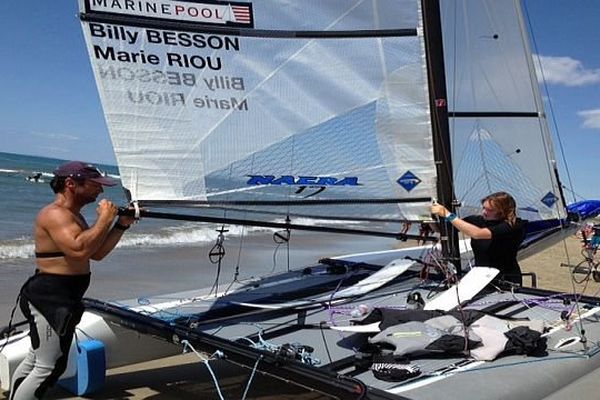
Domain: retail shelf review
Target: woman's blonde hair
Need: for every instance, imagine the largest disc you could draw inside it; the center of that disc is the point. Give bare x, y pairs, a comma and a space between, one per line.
504, 204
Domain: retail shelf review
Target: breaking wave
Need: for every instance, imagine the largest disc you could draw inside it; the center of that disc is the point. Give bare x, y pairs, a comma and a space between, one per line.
23, 248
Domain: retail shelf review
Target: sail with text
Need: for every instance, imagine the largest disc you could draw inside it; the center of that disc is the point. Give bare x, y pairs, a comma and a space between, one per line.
317, 110
320, 109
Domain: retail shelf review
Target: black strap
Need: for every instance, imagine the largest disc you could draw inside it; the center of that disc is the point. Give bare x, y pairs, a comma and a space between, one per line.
49, 254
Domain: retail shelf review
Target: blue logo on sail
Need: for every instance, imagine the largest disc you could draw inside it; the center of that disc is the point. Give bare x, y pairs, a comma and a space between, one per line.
549, 199
408, 181
302, 180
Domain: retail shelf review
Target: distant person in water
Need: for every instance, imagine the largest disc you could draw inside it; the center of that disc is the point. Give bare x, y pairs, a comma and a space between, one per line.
35, 177
64, 246
495, 235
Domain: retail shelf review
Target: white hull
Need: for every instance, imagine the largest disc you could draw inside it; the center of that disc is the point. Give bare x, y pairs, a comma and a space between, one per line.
122, 347
125, 346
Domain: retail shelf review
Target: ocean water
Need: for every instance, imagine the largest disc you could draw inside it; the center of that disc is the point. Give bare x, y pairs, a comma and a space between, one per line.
148, 256
21, 199
155, 256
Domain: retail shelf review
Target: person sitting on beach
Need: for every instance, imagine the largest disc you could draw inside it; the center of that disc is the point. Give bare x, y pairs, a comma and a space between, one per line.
64, 246
495, 235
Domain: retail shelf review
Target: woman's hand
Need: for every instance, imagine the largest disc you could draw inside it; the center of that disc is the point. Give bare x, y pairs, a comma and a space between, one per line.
439, 210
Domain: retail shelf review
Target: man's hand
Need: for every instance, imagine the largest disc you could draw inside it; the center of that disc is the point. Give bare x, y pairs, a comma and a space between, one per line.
127, 220
106, 210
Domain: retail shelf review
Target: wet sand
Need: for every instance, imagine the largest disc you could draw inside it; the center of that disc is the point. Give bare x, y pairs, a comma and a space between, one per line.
183, 376
141, 272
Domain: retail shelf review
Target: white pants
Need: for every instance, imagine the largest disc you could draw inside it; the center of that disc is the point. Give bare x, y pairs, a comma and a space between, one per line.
45, 361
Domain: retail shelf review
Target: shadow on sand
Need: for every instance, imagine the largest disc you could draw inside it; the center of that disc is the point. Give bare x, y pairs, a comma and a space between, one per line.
185, 377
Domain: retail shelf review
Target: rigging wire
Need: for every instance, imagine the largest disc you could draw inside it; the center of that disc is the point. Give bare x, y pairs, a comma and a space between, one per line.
251, 377
575, 293
236, 272
549, 101
574, 193
215, 356
282, 237
217, 252
325, 341
545, 132
6, 332
216, 255
463, 321
295, 350
275, 256
285, 237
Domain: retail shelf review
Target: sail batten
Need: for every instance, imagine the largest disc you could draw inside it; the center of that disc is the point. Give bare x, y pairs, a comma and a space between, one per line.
493, 114
282, 34
307, 203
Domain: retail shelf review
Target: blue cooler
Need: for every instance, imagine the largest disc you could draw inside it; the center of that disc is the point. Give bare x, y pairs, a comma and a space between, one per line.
91, 369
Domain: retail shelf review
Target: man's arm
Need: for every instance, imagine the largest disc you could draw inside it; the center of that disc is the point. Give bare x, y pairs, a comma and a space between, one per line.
111, 240
70, 237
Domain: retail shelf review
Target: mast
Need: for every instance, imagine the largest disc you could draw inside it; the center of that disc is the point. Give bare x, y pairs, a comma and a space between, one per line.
442, 150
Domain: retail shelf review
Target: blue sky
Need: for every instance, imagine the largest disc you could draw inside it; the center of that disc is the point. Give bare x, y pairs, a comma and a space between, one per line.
50, 107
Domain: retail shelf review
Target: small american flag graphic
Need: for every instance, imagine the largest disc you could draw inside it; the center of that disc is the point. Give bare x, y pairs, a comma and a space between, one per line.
241, 14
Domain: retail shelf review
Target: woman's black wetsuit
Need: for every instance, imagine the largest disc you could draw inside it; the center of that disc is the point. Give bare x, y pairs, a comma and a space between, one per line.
501, 250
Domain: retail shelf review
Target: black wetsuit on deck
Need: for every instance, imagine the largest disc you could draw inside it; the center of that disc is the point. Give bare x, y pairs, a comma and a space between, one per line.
501, 250
52, 305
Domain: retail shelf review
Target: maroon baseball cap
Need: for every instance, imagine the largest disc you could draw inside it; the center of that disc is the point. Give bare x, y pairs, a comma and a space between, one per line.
83, 170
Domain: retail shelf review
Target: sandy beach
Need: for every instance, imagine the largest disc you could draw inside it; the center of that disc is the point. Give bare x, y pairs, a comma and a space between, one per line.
550, 267
145, 272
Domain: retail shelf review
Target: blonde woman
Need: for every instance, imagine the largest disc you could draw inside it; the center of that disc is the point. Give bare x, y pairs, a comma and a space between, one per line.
495, 235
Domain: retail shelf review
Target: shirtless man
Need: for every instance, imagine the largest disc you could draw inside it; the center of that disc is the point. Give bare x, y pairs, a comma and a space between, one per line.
64, 245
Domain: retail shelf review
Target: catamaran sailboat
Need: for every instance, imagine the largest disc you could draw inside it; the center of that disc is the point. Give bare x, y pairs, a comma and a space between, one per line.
346, 117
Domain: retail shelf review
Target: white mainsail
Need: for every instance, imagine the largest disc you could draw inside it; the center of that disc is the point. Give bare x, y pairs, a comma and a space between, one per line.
328, 100
268, 105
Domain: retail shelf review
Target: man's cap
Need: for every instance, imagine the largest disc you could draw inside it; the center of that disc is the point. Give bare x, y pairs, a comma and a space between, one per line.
83, 170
